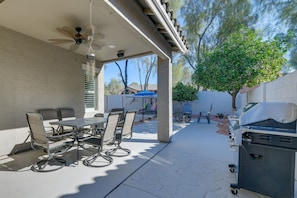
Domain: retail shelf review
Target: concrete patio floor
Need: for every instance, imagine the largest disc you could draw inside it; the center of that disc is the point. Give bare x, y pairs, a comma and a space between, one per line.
194, 164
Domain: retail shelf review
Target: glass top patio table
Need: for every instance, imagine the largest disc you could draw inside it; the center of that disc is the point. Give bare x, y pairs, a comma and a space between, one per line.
77, 124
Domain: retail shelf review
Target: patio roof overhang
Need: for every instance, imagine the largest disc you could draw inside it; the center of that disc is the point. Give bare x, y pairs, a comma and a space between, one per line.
138, 27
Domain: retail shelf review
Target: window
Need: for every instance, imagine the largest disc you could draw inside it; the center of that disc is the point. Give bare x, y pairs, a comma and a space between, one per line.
90, 93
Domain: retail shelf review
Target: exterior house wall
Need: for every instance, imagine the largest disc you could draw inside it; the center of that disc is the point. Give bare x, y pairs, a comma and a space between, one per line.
283, 89
34, 75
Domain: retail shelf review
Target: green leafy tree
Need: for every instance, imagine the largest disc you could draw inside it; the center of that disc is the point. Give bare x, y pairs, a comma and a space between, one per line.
181, 72
283, 13
175, 5
208, 23
114, 87
243, 59
183, 93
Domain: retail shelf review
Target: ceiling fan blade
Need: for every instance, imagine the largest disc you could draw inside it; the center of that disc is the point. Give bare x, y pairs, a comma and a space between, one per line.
98, 36
97, 45
60, 41
67, 32
84, 35
74, 47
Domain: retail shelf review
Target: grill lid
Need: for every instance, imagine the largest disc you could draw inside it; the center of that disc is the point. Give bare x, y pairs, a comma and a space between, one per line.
262, 112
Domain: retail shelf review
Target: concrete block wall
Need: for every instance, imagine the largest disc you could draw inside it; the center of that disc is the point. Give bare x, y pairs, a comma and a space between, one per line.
283, 89
34, 74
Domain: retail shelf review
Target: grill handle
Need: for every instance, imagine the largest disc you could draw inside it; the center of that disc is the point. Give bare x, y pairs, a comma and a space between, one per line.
265, 137
286, 140
256, 156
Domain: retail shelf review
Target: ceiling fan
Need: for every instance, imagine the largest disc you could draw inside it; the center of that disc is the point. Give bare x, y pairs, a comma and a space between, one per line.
78, 37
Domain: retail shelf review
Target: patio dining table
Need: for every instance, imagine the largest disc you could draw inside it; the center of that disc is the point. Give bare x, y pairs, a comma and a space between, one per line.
78, 124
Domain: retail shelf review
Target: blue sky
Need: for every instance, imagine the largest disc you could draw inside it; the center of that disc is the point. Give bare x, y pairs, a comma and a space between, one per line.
111, 71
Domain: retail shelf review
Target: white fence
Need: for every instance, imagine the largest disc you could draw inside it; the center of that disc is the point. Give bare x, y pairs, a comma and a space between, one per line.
280, 90
222, 102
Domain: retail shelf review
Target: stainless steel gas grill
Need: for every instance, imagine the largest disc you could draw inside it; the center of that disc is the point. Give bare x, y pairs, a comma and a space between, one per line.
266, 161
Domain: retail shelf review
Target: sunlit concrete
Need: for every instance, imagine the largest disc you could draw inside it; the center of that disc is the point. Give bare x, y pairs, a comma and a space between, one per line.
194, 164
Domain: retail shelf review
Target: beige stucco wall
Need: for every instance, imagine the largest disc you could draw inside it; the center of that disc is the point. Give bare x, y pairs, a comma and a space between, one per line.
35, 75
283, 89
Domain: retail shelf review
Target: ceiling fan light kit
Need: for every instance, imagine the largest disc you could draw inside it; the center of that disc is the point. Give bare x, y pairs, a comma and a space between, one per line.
91, 56
79, 36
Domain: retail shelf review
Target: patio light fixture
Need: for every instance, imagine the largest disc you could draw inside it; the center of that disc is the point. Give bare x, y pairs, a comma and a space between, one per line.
90, 65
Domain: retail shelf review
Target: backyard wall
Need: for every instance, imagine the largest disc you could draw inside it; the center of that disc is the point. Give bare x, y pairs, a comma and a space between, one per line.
283, 89
222, 102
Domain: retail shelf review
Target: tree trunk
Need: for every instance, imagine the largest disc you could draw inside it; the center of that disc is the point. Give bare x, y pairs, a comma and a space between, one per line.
234, 94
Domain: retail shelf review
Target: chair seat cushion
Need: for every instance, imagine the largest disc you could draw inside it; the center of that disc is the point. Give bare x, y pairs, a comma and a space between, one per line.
58, 144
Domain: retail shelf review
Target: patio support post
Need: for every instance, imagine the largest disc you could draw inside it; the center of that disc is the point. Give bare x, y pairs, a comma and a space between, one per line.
100, 87
164, 99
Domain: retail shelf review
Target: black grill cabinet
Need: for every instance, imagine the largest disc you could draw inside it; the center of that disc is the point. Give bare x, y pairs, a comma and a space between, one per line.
266, 156
268, 170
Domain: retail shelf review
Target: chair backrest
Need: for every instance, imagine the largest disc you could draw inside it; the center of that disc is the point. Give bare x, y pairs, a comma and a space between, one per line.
178, 108
210, 109
66, 113
48, 115
122, 110
37, 131
128, 124
187, 107
99, 115
111, 125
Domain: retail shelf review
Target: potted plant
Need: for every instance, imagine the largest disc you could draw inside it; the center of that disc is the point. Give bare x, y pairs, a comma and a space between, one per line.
220, 115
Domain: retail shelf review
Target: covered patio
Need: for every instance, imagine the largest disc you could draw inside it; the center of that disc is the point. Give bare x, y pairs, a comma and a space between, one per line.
38, 74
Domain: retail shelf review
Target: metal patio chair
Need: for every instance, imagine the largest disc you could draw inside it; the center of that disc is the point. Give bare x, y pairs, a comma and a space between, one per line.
50, 115
54, 145
205, 114
182, 112
122, 116
106, 137
124, 132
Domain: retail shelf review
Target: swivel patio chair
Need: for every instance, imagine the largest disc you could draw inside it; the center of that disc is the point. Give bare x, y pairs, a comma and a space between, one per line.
122, 117
106, 137
50, 115
54, 145
66, 113
98, 128
124, 132
205, 114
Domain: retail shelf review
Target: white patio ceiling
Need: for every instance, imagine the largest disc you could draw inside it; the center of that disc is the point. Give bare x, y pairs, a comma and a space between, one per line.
40, 18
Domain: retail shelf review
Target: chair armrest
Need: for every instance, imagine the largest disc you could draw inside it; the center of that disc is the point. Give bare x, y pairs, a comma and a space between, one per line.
50, 130
61, 136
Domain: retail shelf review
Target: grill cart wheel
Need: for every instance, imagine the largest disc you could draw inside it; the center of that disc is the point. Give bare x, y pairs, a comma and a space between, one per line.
232, 168
234, 191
